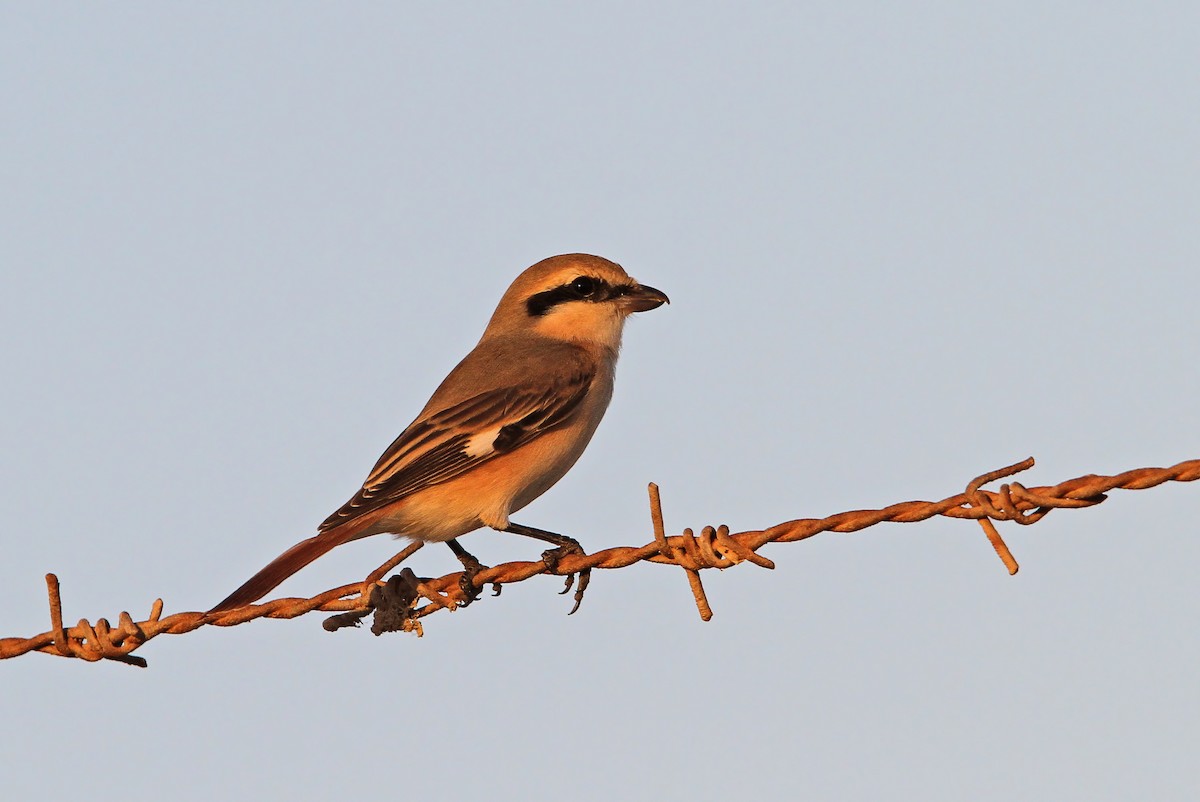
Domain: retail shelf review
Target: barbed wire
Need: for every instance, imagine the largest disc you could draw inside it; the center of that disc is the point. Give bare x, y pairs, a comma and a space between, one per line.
394, 603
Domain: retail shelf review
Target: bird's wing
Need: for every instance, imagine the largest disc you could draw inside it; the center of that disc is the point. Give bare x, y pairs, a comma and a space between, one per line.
446, 443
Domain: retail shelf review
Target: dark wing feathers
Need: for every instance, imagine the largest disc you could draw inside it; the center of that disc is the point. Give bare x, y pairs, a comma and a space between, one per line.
436, 447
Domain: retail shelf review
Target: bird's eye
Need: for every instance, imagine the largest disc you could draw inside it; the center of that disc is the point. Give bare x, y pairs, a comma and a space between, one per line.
584, 286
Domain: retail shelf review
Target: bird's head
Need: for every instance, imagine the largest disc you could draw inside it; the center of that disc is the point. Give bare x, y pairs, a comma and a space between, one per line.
574, 297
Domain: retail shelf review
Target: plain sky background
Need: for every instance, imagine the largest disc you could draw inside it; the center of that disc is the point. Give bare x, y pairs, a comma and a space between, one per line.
905, 244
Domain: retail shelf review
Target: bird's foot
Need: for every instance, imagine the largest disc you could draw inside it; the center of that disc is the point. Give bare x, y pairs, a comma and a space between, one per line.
466, 583
551, 558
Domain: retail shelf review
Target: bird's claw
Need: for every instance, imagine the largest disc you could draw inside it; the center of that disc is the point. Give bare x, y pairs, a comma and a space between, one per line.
466, 582
551, 558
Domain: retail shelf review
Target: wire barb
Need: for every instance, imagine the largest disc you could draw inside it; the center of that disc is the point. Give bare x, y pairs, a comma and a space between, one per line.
1008, 509
713, 549
403, 600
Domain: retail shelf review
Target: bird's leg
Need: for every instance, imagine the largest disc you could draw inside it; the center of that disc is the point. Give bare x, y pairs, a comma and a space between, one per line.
471, 567
566, 545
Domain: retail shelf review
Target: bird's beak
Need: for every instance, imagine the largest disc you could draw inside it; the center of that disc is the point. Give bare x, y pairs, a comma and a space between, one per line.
642, 299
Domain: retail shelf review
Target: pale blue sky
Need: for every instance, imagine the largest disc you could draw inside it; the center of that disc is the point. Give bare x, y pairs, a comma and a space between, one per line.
905, 244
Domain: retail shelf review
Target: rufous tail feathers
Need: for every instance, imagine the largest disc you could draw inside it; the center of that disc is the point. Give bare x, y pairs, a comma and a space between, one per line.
282, 567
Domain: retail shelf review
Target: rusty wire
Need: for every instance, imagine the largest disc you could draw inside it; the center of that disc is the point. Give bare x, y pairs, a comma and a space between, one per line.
394, 602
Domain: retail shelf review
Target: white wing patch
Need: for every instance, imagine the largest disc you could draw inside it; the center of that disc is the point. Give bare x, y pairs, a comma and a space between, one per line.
480, 445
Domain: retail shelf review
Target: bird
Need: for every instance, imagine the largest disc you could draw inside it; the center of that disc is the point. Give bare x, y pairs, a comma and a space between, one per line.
501, 429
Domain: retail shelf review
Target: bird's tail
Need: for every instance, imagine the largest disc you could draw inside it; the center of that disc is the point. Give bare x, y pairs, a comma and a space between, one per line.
281, 568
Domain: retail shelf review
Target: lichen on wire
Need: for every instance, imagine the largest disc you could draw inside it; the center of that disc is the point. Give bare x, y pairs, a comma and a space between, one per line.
400, 602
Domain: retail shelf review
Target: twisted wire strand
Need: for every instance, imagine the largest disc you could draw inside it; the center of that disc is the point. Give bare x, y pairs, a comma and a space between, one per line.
395, 602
